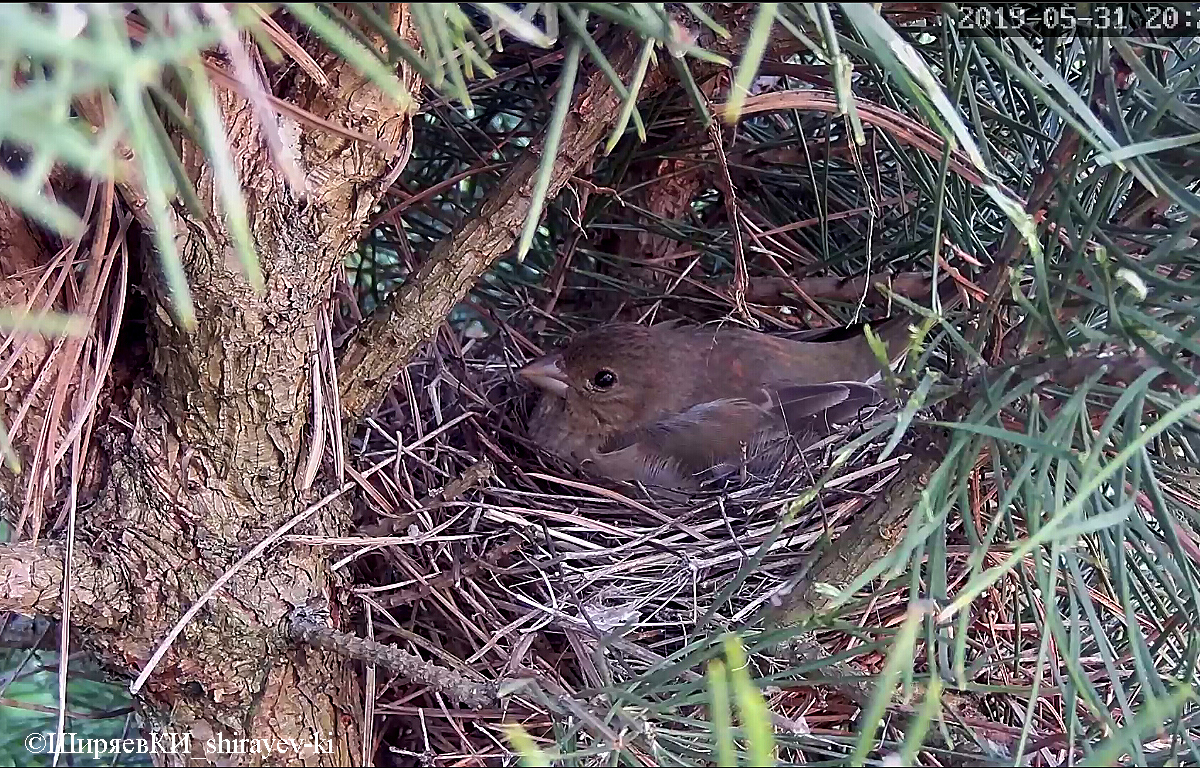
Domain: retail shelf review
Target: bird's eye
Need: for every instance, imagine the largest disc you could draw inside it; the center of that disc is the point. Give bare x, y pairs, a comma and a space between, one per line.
604, 379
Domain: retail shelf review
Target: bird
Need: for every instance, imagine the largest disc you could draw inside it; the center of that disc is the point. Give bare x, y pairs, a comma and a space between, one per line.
673, 405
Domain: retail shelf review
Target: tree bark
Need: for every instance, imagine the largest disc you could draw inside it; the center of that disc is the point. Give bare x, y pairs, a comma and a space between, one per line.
204, 457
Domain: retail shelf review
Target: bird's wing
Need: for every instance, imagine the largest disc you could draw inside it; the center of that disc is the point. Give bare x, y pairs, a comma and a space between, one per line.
810, 413
805, 407
673, 450
685, 443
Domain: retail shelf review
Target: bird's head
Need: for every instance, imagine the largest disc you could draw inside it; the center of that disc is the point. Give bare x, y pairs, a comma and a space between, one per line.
617, 371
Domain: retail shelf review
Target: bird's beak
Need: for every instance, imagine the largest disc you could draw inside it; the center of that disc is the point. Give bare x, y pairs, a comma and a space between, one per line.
547, 373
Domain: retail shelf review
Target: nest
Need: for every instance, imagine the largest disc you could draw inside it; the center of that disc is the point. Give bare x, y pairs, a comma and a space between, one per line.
504, 565
511, 565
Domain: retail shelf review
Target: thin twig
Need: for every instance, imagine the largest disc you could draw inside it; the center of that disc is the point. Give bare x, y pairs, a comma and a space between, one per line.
307, 627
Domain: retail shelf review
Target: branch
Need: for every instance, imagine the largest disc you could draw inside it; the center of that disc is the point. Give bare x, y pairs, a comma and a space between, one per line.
1060, 159
881, 525
777, 290
1117, 369
307, 626
375, 353
871, 535
31, 577
899, 126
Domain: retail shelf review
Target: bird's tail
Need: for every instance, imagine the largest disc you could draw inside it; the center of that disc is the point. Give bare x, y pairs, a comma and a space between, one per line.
897, 332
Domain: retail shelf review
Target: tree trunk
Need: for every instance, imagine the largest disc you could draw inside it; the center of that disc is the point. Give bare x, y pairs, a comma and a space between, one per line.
206, 453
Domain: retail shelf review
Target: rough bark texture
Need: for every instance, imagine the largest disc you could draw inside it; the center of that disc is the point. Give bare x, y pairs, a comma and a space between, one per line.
231, 673
262, 345
31, 578
200, 461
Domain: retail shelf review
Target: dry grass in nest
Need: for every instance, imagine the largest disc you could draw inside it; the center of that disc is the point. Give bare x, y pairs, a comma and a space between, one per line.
593, 588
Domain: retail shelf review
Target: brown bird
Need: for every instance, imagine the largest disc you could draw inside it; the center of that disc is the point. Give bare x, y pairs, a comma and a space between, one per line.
669, 405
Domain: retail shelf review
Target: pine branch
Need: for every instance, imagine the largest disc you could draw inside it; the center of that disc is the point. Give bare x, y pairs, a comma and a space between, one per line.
31, 577
307, 626
373, 356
